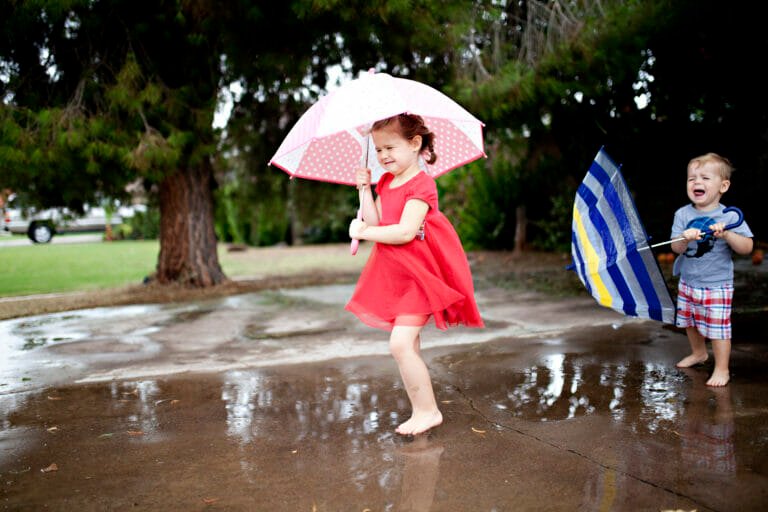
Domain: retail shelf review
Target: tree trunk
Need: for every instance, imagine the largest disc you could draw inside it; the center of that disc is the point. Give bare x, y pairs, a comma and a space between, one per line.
521, 225
187, 239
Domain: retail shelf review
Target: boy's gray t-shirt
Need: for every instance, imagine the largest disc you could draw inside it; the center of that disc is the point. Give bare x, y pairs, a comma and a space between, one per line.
706, 263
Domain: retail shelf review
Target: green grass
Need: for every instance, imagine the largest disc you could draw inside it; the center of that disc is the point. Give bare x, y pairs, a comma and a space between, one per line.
53, 268
50, 268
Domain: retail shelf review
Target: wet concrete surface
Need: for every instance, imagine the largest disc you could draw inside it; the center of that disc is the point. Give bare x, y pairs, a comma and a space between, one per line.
280, 400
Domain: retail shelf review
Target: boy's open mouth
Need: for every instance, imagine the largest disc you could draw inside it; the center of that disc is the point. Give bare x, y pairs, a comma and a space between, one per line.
698, 192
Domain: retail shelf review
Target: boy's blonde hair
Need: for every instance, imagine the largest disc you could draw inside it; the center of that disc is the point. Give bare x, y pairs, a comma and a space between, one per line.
724, 166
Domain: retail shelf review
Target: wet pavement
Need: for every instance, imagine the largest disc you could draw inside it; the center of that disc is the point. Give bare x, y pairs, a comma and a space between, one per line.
281, 401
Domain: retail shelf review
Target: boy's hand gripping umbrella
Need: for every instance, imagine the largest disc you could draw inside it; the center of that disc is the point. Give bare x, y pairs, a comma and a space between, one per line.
706, 232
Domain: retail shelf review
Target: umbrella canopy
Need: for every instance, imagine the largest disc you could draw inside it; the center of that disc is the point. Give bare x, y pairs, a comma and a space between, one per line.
332, 138
610, 247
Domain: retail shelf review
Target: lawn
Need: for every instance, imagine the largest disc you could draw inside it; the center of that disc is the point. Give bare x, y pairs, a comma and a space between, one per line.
52, 268
48, 268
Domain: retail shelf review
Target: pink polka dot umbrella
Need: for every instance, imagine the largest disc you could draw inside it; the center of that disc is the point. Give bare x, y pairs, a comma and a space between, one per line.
330, 140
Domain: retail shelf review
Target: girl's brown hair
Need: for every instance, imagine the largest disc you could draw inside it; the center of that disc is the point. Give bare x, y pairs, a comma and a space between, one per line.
409, 126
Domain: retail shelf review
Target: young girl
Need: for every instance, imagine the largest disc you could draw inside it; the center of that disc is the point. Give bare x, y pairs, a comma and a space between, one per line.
418, 268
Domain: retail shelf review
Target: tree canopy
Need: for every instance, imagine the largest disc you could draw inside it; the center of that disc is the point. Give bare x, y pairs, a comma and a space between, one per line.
655, 82
97, 94
101, 93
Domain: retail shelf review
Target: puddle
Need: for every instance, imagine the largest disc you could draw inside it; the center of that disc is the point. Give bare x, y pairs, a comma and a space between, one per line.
282, 401
322, 433
233, 333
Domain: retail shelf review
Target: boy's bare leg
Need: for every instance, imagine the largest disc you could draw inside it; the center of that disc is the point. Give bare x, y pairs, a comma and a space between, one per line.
722, 351
404, 343
698, 349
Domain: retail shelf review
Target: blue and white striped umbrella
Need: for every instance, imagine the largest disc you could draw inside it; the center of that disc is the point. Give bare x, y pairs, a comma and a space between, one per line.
610, 247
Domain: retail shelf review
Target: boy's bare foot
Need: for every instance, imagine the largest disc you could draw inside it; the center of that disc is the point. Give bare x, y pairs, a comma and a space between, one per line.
719, 378
691, 360
420, 423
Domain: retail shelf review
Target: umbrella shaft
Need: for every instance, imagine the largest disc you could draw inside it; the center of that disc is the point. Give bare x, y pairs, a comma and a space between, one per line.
667, 242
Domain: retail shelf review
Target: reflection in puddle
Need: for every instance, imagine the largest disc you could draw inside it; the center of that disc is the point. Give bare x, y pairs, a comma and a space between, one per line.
293, 437
255, 403
709, 428
138, 401
243, 393
32, 342
420, 474
566, 386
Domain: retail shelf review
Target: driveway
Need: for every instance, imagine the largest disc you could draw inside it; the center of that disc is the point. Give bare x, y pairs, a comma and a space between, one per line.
8, 241
282, 401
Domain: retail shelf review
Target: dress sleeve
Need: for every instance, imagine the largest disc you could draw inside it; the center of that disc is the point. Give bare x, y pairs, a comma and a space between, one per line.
425, 189
381, 184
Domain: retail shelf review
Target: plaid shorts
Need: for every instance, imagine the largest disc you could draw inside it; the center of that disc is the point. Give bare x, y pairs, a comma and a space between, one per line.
707, 309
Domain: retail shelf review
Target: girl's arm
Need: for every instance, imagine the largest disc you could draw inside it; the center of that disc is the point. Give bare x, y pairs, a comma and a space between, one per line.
401, 233
371, 212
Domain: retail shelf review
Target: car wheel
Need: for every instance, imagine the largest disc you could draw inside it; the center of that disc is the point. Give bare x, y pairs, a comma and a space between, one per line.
40, 232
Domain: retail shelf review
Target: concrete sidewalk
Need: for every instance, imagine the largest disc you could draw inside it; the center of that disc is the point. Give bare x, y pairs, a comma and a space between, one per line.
81, 238
282, 401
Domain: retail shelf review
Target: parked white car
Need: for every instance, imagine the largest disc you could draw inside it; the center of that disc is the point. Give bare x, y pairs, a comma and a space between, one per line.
41, 226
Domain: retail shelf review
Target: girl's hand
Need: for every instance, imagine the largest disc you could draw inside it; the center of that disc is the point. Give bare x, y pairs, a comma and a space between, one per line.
356, 227
692, 234
362, 177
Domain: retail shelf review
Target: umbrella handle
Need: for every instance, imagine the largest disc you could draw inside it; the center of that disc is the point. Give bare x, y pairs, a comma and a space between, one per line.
709, 231
732, 225
355, 242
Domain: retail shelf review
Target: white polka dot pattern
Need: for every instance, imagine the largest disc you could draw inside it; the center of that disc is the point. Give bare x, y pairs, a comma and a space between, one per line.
329, 141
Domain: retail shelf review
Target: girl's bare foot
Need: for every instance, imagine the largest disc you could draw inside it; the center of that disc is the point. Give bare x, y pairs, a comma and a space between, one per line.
691, 360
719, 378
420, 423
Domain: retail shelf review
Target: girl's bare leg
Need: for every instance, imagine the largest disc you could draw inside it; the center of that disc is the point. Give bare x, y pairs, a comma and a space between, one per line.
698, 349
404, 344
720, 375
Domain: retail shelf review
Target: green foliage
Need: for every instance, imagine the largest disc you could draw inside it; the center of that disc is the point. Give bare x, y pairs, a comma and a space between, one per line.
553, 231
323, 211
480, 201
142, 225
292, 211
135, 90
230, 227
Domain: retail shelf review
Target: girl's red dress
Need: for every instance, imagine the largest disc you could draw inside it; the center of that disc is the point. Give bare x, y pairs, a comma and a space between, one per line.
428, 276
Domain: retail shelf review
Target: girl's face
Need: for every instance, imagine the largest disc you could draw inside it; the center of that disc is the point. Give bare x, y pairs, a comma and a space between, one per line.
706, 186
395, 153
